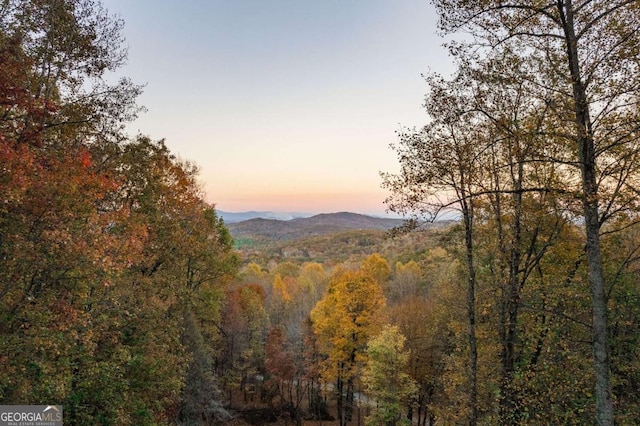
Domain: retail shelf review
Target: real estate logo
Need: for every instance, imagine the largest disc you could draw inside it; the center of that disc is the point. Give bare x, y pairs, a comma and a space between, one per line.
30, 415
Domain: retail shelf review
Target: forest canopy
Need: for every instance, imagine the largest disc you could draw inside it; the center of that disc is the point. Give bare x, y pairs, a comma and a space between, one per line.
111, 262
534, 140
123, 300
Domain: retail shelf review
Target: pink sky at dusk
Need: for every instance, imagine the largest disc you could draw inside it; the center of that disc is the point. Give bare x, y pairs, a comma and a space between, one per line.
285, 105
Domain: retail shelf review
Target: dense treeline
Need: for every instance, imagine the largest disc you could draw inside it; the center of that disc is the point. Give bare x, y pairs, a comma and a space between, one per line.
111, 263
122, 299
304, 330
534, 141
322, 325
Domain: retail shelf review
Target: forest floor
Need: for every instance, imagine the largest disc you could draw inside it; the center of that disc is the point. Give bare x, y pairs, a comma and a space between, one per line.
282, 422
258, 413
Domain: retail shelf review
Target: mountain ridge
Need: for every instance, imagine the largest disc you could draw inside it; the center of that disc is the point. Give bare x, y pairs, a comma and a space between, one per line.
235, 217
266, 229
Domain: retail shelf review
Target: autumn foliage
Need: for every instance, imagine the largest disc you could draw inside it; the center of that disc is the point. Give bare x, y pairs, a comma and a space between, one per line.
123, 299
108, 252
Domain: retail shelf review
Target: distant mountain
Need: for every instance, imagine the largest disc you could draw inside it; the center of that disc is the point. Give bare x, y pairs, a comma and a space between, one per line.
234, 217
347, 221
260, 230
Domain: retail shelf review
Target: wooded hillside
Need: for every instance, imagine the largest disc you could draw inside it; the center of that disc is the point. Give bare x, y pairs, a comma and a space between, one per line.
124, 298
112, 265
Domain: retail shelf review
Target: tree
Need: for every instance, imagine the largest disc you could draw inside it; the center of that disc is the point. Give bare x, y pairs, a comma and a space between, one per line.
440, 170
590, 53
55, 249
406, 282
70, 46
578, 61
284, 363
246, 323
424, 322
343, 321
378, 268
385, 378
102, 239
201, 394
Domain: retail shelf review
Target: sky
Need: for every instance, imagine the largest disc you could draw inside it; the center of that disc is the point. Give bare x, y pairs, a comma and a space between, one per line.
285, 105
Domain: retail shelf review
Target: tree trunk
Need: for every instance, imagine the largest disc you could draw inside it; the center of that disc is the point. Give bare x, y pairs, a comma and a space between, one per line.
471, 314
348, 410
587, 156
339, 386
509, 412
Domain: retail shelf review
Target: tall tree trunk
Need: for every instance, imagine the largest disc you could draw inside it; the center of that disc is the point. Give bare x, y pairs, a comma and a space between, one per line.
339, 409
348, 409
509, 412
587, 155
467, 213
